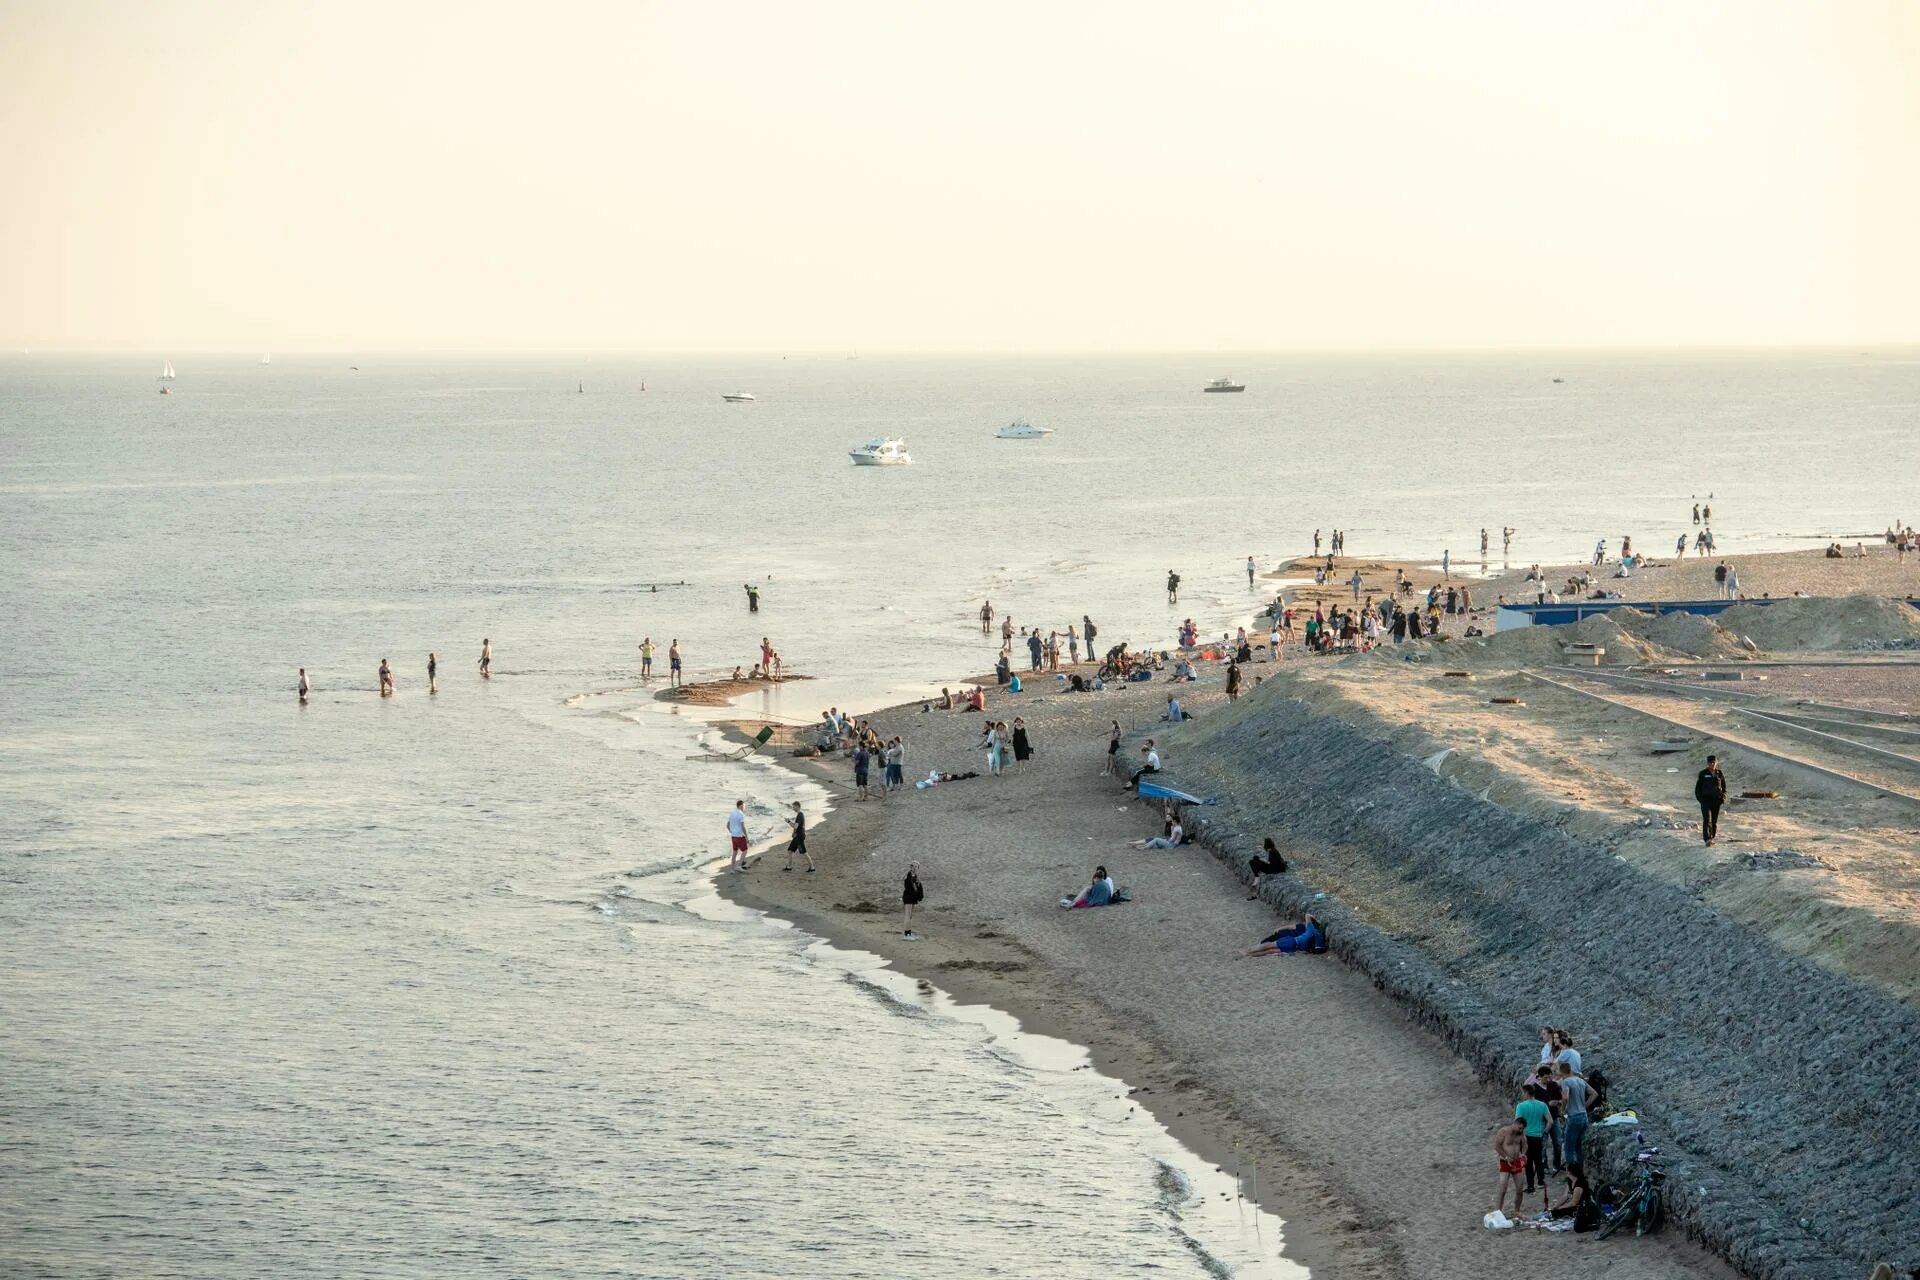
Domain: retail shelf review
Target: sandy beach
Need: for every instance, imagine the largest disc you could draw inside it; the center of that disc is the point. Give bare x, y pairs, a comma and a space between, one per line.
1368, 1127
1370, 1138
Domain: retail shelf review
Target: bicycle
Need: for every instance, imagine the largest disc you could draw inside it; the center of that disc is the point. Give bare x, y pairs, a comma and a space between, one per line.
1643, 1203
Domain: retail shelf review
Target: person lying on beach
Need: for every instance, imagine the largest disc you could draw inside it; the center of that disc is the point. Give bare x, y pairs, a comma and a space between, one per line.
1307, 936
1101, 893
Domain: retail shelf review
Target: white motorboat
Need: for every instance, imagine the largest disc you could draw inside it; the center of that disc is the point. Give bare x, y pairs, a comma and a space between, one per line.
881, 453
1023, 430
1224, 384
738, 397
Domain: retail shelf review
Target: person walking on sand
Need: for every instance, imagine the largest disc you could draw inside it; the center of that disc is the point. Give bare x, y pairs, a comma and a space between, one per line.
306, 686
1250, 569
990, 738
1087, 633
1173, 587
433, 673
1710, 789
1022, 744
1073, 646
386, 679
673, 663
646, 657
1680, 547
986, 618
1355, 582
737, 836
753, 598
912, 894
486, 658
798, 842
1510, 1150
1233, 682
1113, 753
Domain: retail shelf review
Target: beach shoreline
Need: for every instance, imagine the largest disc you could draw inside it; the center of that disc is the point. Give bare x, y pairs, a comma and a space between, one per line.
1335, 1225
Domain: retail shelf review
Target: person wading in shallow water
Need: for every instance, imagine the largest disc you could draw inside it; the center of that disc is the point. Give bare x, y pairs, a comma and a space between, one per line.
911, 896
1710, 789
433, 673
1173, 587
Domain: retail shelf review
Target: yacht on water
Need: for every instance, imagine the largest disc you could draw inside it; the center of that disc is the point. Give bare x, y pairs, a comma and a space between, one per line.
166, 376
881, 453
738, 397
1224, 384
1023, 430
266, 358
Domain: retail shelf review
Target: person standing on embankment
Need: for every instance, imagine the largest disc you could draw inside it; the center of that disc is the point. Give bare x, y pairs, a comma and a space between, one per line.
1710, 789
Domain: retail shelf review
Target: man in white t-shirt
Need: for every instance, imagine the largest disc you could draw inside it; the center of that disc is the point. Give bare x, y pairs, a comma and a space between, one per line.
737, 836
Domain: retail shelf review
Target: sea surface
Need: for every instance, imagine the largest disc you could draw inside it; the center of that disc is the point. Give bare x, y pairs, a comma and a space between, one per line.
437, 984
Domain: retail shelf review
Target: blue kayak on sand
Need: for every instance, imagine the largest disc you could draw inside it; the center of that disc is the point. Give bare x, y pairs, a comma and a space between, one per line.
1167, 791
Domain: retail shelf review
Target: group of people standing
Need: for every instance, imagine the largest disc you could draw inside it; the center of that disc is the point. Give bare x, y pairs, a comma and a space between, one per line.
1547, 1132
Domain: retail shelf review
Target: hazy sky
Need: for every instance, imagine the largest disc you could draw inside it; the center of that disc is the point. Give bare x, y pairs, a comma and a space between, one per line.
891, 174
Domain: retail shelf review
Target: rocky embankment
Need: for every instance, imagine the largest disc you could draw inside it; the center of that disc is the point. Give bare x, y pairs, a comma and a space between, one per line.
1779, 1090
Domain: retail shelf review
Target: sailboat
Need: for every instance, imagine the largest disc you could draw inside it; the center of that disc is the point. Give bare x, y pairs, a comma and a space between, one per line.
166, 371
267, 358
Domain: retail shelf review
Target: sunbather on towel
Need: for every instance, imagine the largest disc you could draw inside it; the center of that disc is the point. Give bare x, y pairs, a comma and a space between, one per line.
1308, 935
1098, 894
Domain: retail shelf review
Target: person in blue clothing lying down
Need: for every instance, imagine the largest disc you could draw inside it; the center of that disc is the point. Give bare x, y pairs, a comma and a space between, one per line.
1309, 935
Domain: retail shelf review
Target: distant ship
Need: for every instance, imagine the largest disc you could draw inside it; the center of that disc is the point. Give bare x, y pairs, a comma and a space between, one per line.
738, 397
1023, 430
881, 453
1224, 384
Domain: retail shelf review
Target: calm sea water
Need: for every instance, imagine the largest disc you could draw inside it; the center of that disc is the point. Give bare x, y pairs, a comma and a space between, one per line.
437, 985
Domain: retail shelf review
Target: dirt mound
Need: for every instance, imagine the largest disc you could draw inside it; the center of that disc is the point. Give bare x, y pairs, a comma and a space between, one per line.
1618, 631
1825, 623
1692, 634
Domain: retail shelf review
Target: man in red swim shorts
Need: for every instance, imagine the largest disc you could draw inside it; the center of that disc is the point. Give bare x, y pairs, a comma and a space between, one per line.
1510, 1148
737, 835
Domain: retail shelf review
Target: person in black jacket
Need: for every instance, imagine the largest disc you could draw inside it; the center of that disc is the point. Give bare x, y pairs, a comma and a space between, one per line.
1710, 789
911, 896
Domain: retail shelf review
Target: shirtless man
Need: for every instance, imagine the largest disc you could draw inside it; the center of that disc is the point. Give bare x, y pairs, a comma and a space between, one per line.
486, 659
306, 686
1510, 1149
986, 618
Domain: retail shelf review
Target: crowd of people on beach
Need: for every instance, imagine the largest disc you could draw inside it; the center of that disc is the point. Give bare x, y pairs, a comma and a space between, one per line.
1546, 1135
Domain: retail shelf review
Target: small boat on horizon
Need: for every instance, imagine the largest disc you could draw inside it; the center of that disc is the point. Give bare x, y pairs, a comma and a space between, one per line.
881, 453
166, 371
1021, 429
738, 397
1224, 384
266, 357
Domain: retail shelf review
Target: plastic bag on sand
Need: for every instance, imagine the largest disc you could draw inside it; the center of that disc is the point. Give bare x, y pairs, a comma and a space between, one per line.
1497, 1221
